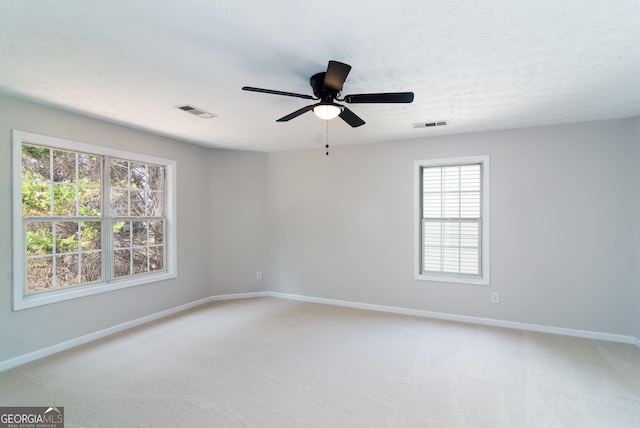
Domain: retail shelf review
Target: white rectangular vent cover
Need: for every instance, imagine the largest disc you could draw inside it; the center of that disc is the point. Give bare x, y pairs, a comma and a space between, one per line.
430, 124
198, 112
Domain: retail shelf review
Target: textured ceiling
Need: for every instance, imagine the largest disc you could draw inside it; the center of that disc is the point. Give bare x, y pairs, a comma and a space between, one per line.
481, 65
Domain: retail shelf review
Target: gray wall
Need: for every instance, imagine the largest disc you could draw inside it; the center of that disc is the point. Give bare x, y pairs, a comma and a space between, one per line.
563, 210
637, 229
239, 230
32, 329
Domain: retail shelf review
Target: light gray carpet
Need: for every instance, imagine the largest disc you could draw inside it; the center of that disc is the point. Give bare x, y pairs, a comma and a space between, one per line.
277, 363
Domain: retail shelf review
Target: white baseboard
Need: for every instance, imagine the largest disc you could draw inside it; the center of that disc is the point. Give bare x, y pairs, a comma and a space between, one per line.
50, 350
41, 353
239, 296
467, 319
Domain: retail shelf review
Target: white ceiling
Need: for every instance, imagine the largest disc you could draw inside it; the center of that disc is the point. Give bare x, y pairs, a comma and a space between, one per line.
481, 65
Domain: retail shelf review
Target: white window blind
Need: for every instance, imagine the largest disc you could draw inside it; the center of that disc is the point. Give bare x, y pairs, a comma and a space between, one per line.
451, 219
450, 224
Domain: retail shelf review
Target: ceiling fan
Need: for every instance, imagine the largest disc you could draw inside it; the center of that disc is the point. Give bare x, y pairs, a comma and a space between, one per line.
327, 86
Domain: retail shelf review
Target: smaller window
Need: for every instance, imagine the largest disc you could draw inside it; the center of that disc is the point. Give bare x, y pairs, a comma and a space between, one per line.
451, 220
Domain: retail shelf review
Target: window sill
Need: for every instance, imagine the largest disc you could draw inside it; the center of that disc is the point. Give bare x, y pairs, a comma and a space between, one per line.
453, 279
54, 296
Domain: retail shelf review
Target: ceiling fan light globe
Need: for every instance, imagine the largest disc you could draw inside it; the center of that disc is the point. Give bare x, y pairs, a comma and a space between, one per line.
327, 111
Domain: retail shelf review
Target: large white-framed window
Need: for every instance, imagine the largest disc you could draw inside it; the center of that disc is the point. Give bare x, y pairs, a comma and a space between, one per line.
452, 219
88, 219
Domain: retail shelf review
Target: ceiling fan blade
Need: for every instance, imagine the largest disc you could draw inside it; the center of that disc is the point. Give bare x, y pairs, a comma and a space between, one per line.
295, 114
336, 75
351, 118
387, 97
271, 91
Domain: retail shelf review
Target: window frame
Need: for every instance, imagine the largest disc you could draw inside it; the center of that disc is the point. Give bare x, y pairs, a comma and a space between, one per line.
484, 277
22, 300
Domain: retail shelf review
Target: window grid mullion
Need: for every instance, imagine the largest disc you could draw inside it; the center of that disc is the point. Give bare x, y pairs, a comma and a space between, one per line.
77, 213
54, 253
442, 212
480, 202
130, 244
128, 189
148, 240
459, 215
77, 184
107, 223
79, 253
51, 182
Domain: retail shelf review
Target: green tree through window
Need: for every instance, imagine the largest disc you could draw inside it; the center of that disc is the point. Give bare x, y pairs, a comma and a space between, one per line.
60, 194
88, 219
64, 218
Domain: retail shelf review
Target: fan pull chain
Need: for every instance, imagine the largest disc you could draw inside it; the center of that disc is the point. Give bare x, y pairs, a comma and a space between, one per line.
327, 145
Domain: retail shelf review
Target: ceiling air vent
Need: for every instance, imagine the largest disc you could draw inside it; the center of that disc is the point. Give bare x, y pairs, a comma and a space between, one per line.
198, 112
430, 124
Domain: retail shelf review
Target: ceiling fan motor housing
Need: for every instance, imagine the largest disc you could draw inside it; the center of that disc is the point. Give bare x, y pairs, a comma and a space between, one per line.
326, 95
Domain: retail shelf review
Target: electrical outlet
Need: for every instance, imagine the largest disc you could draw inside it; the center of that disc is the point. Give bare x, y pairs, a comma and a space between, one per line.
258, 275
495, 297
